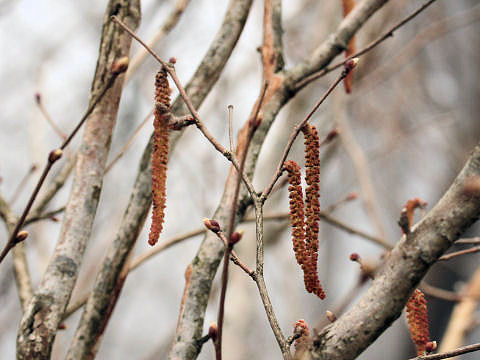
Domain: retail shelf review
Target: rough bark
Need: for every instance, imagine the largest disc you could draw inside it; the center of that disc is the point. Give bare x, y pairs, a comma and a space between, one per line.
45, 310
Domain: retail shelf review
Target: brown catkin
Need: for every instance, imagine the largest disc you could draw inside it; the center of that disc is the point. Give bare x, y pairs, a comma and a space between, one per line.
160, 154
417, 317
297, 215
312, 205
348, 6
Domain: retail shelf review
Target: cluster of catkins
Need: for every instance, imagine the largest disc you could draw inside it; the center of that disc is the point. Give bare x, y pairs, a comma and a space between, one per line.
160, 154
305, 218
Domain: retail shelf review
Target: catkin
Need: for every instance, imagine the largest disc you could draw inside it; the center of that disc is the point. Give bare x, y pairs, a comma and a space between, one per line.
417, 317
160, 154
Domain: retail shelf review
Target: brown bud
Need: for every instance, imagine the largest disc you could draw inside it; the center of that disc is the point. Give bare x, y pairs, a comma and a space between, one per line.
211, 225
213, 331
354, 257
120, 65
330, 316
351, 64
430, 346
38, 98
352, 196
55, 155
21, 235
62, 326
172, 60
236, 237
331, 135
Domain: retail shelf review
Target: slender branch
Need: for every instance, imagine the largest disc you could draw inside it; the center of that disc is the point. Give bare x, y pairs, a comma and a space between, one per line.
462, 315
168, 25
46, 215
370, 46
439, 293
259, 279
449, 354
295, 133
22, 183
459, 253
46, 115
230, 127
470, 241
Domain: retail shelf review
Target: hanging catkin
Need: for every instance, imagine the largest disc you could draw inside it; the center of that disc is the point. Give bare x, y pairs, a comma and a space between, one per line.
160, 154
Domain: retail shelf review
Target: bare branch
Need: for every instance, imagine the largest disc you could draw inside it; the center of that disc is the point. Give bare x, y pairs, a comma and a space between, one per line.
449, 354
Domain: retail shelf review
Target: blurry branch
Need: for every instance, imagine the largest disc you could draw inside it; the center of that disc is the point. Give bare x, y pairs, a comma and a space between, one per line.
168, 25
462, 316
53, 187
450, 354
129, 142
197, 89
418, 43
370, 46
405, 266
45, 215
46, 115
470, 241
22, 184
44, 312
20, 265
460, 253
439, 293
360, 164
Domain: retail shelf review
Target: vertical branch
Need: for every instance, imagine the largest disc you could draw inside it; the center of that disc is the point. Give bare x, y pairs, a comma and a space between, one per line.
44, 313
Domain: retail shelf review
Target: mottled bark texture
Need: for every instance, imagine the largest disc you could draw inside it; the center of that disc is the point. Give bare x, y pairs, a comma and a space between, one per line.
404, 267
280, 91
45, 310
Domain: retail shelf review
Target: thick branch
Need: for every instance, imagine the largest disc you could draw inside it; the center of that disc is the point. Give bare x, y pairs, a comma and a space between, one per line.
44, 313
404, 268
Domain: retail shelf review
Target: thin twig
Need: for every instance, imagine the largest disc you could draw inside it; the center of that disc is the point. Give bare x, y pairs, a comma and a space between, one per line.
439, 293
295, 133
47, 215
223, 292
46, 115
230, 127
370, 46
22, 184
469, 241
167, 26
449, 354
459, 253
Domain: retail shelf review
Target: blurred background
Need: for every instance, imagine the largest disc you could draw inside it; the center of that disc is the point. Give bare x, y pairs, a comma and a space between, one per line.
406, 131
